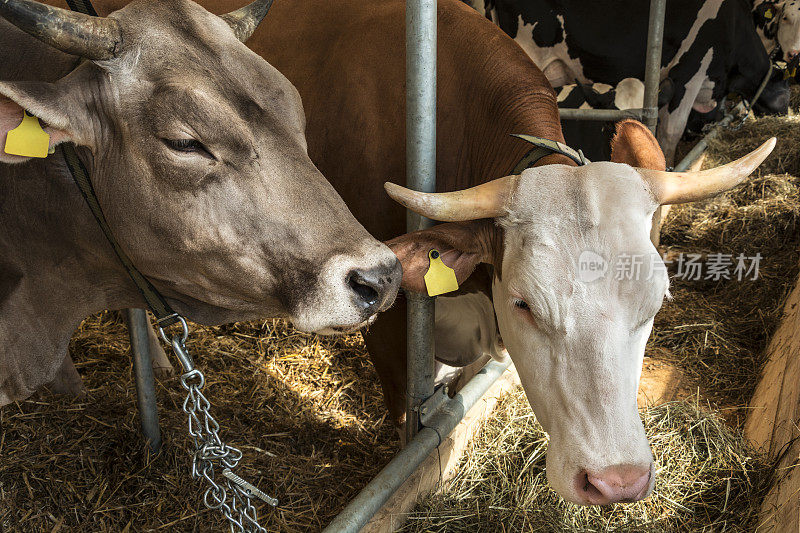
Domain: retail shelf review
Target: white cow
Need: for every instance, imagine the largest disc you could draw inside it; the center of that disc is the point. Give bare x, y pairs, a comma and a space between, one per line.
575, 329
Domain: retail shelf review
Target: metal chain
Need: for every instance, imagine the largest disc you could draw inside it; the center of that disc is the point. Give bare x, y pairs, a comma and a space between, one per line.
232, 495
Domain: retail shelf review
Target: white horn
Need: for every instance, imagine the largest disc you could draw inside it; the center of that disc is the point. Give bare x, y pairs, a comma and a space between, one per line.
487, 200
682, 187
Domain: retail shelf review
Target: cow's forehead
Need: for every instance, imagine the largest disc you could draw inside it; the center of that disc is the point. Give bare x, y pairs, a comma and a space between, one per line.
592, 195
181, 35
559, 212
190, 60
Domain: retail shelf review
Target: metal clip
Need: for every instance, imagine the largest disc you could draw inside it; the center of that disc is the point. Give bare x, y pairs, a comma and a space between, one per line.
430, 406
184, 333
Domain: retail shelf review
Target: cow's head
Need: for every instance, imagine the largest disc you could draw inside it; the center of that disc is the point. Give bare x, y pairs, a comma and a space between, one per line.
577, 284
198, 155
789, 29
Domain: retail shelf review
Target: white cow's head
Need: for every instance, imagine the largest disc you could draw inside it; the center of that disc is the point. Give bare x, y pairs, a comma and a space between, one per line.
575, 329
789, 29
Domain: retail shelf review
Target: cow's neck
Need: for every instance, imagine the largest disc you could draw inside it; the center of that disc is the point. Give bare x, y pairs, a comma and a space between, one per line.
56, 268
513, 97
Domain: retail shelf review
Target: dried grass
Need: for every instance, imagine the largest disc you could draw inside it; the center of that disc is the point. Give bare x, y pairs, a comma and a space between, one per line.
716, 331
306, 411
708, 480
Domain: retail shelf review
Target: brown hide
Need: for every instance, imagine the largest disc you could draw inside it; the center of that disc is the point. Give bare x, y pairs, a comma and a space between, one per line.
347, 60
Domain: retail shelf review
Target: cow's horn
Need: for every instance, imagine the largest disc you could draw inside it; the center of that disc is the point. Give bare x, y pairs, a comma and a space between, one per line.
70, 32
681, 187
245, 20
484, 201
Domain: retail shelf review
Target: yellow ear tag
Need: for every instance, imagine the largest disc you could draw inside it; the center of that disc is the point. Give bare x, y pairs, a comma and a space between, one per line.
440, 278
28, 139
768, 14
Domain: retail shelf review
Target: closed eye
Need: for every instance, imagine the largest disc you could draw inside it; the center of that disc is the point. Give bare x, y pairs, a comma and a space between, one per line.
521, 304
189, 146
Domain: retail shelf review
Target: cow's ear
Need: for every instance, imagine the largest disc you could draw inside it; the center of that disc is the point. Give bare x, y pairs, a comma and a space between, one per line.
635, 145
42, 100
462, 245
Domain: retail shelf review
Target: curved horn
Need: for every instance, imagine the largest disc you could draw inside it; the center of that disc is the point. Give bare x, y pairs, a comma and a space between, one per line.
245, 20
483, 201
681, 187
70, 32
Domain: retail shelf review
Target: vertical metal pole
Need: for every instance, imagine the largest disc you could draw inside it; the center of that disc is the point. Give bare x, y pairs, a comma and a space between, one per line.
652, 74
138, 325
421, 175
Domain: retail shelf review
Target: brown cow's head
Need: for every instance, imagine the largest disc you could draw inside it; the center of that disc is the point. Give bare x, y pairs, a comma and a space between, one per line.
197, 152
574, 324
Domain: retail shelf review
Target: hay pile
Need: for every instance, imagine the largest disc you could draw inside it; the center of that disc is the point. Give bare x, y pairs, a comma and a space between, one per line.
716, 331
307, 412
708, 480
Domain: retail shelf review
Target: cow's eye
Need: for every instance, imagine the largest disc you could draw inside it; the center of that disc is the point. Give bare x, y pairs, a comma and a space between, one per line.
520, 304
188, 146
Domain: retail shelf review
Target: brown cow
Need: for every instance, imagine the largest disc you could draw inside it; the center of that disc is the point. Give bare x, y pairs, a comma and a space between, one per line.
576, 337
197, 153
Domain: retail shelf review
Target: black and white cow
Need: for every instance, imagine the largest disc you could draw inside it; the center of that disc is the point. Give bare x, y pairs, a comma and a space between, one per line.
778, 26
594, 137
709, 47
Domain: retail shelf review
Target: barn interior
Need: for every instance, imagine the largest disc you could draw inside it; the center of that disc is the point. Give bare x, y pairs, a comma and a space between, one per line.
307, 412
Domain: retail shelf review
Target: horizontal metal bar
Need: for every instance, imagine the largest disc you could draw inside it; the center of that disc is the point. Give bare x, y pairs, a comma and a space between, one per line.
605, 115
698, 149
372, 497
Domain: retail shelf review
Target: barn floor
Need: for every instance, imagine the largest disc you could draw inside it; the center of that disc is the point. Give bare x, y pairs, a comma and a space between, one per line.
307, 412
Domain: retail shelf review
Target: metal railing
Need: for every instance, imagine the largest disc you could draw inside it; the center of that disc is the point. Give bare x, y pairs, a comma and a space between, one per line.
420, 175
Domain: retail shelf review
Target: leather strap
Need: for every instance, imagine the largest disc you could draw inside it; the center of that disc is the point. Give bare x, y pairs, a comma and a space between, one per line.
544, 147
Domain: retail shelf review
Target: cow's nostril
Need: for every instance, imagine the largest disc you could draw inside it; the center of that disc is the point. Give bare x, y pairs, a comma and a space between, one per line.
591, 493
364, 288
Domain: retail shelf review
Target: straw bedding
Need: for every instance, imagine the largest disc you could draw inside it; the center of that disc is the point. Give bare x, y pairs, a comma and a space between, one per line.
307, 412
708, 480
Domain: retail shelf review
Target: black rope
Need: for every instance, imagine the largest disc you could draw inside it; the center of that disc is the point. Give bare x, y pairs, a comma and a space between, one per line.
157, 304
82, 6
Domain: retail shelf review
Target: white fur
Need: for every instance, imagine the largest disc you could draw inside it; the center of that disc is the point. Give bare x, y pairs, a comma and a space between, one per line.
579, 350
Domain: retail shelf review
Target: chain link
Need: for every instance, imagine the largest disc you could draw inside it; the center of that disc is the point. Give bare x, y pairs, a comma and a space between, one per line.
231, 495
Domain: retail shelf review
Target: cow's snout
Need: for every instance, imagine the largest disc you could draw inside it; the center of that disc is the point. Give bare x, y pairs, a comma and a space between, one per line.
615, 484
374, 289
